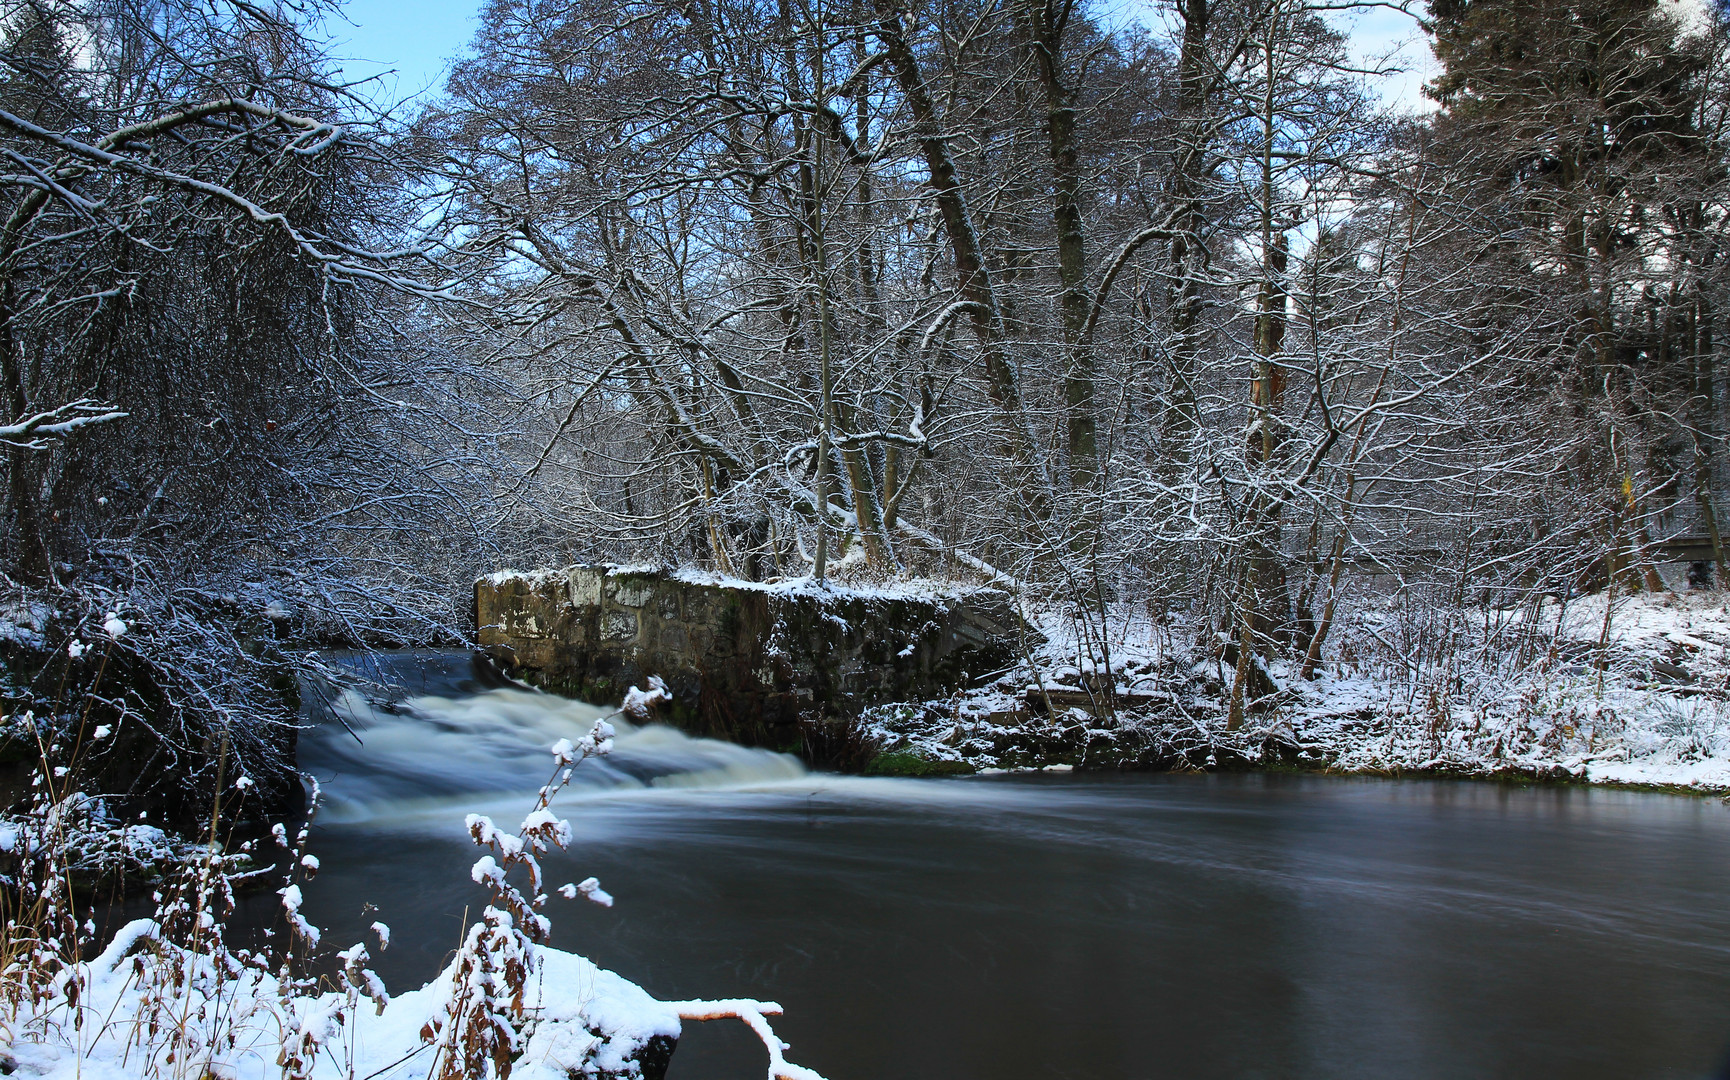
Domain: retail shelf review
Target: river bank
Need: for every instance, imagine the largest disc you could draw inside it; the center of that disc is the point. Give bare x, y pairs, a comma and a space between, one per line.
884, 679
1557, 693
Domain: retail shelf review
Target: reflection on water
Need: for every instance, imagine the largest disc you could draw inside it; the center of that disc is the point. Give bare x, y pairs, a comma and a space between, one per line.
1099, 927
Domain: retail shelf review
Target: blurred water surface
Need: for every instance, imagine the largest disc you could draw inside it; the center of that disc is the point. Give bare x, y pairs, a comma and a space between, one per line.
1015, 928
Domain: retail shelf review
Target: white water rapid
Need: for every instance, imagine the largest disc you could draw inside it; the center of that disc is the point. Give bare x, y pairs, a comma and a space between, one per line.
429, 755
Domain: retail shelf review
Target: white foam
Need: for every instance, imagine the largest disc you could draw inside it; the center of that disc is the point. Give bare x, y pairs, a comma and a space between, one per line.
423, 756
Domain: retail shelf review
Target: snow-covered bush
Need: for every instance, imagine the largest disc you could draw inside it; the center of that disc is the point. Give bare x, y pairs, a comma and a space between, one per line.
171, 996
482, 1023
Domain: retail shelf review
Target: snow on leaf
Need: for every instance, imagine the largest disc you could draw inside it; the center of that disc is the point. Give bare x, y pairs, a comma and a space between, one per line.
591, 890
639, 705
486, 871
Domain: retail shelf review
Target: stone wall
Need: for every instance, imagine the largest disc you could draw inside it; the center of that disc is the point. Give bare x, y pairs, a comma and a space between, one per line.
744, 661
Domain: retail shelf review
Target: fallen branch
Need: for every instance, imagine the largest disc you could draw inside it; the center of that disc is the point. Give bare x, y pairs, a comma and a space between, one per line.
755, 1015
992, 574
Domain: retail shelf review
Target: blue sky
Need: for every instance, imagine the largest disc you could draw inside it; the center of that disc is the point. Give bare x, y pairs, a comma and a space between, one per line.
413, 38
416, 38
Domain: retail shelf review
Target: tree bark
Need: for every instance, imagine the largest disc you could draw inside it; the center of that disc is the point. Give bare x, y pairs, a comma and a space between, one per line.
973, 279
1046, 20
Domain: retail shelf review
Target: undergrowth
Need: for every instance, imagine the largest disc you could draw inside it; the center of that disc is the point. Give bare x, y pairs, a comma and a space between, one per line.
174, 997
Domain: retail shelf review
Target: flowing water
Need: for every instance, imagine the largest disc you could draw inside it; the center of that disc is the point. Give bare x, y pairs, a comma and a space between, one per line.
1015, 928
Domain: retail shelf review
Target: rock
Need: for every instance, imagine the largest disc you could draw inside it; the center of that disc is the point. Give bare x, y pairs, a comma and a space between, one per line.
618, 626
909, 764
651, 1060
1674, 674
1699, 575
1094, 703
744, 661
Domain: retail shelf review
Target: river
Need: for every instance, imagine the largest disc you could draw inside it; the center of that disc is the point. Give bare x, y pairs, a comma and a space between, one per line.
1038, 926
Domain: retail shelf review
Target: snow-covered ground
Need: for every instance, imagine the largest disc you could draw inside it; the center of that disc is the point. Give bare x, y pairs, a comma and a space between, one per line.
590, 1022
1556, 691
169, 997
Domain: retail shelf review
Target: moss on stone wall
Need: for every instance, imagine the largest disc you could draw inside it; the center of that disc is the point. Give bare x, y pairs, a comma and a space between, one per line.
908, 764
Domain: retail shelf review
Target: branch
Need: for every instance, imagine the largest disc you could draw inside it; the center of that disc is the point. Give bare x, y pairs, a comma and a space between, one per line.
323, 135
310, 244
754, 1014
991, 574
39, 431
1124, 253
945, 317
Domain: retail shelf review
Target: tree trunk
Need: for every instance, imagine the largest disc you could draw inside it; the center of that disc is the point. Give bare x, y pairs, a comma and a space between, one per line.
973, 279
1182, 413
1045, 28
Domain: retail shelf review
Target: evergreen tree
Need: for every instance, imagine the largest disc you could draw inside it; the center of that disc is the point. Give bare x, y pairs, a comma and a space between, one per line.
1570, 134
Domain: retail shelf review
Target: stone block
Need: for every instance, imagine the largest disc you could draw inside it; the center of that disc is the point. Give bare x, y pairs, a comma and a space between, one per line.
584, 586
618, 626
699, 605
632, 592
529, 623
746, 663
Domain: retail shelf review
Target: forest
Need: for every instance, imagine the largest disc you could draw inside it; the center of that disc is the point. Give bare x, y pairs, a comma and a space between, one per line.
1308, 428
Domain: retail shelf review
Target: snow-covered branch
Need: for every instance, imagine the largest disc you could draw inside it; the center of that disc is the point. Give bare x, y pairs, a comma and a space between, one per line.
42, 430
754, 1014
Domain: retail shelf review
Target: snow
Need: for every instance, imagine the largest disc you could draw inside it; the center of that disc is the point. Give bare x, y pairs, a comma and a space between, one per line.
909, 588
1553, 691
23, 623
147, 1006
531, 577
291, 905
91, 839
542, 819
589, 1020
754, 1014
487, 871
639, 705
1594, 705
589, 888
